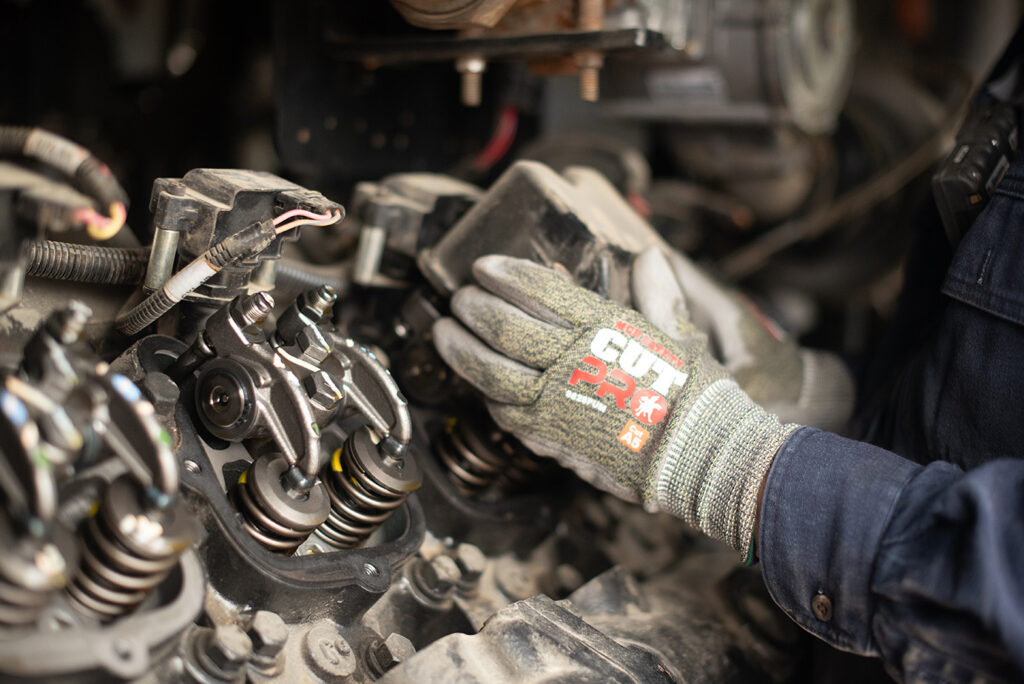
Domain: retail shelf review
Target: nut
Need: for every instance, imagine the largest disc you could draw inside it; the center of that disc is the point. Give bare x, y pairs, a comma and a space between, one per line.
322, 391
438, 577
251, 310
454, 14
315, 303
311, 345
386, 654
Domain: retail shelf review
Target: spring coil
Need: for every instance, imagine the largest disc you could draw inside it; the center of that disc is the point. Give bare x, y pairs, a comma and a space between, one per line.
126, 552
20, 605
364, 489
478, 456
32, 572
262, 527
276, 519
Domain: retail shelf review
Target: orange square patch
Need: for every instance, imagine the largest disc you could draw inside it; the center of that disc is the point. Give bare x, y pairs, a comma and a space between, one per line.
633, 436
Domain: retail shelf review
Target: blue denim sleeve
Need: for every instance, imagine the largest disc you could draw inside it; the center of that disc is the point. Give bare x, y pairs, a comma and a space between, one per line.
921, 565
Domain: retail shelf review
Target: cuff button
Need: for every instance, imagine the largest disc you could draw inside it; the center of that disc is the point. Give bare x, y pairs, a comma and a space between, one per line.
821, 606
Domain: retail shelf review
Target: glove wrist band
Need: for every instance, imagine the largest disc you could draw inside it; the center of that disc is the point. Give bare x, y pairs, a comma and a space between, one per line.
710, 470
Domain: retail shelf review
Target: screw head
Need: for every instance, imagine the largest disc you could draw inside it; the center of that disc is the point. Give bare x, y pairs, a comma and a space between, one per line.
228, 648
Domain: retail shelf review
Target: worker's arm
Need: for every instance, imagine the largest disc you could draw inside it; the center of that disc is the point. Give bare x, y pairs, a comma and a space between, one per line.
648, 416
921, 565
917, 564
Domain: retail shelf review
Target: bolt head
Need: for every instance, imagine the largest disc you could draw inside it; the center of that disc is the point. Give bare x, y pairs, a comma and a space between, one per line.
471, 562
268, 634
438, 576
311, 344
322, 391
229, 648
392, 651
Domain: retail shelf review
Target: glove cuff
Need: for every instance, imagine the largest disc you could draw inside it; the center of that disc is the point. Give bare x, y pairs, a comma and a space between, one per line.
713, 460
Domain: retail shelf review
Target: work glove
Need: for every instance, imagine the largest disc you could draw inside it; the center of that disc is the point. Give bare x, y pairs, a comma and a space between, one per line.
649, 417
797, 384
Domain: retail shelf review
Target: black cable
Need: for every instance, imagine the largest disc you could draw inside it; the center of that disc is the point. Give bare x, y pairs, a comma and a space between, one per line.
290, 277
87, 263
244, 244
88, 173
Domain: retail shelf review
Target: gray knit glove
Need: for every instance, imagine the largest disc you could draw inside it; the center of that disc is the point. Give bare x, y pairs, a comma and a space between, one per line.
795, 383
605, 392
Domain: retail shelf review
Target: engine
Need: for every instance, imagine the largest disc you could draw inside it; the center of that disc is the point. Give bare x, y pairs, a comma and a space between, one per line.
230, 451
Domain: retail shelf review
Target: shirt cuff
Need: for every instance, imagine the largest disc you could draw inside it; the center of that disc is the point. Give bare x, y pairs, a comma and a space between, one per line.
827, 502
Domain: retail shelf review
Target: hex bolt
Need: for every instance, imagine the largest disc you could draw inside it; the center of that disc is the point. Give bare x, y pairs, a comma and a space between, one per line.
437, 578
382, 655
471, 562
226, 651
312, 345
268, 634
322, 391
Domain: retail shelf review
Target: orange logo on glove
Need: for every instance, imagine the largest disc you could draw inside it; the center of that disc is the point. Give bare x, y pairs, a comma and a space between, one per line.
633, 436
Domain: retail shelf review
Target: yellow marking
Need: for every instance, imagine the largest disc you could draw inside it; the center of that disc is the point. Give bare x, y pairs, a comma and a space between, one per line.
94, 508
241, 478
336, 461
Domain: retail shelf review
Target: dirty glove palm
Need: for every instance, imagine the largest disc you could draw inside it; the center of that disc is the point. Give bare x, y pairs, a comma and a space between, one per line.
599, 388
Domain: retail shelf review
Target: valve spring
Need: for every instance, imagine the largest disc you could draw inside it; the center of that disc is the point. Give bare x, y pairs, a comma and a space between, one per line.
23, 595
19, 605
126, 552
275, 517
361, 502
478, 455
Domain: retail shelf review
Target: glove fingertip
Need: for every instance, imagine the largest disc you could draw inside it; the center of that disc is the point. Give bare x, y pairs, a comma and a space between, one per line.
495, 266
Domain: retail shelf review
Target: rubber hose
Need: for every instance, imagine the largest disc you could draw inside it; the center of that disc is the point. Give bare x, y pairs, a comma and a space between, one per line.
87, 263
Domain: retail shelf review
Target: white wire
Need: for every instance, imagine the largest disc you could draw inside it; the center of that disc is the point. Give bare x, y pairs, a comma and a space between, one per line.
336, 216
301, 212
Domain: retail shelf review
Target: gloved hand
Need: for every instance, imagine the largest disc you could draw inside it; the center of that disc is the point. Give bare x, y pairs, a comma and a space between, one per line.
601, 389
797, 384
